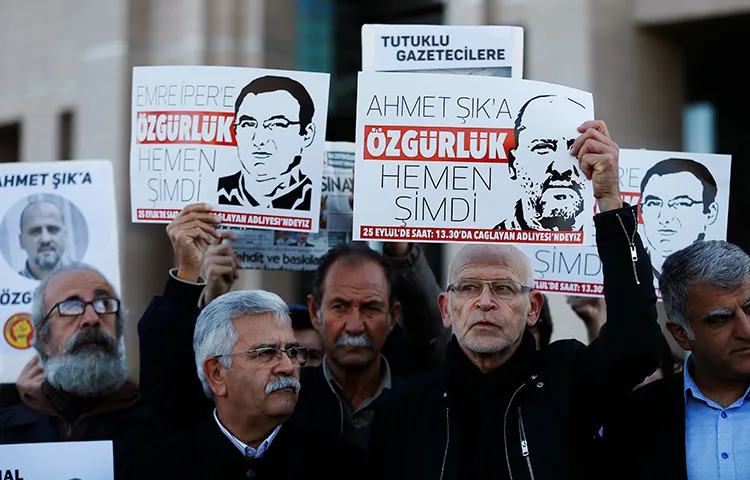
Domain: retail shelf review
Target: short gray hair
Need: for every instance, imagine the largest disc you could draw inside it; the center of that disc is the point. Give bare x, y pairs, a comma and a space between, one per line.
38, 312
215, 333
711, 262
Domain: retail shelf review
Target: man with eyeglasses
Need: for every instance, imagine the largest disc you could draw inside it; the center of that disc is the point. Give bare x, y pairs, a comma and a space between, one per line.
678, 203
500, 408
248, 362
273, 126
85, 393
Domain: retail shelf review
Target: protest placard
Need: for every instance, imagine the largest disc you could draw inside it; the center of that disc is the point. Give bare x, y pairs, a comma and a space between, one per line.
467, 50
286, 250
250, 142
448, 158
60, 460
682, 198
51, 215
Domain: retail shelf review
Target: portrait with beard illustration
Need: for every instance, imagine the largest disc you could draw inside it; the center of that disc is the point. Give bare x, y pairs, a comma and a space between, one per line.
41, 233
551, 184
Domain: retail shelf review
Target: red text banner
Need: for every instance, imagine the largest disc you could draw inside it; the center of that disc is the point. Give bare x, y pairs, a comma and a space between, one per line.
469, 235
438, 144
194, 128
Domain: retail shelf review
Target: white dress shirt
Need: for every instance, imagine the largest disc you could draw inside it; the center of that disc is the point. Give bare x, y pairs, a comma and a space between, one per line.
247, 451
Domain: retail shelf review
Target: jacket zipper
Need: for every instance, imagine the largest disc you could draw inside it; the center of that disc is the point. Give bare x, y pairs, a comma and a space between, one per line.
524, 445
447, 437
633, 251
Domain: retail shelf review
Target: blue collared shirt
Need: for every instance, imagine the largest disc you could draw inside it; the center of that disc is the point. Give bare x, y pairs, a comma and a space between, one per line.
717, 440
247, 450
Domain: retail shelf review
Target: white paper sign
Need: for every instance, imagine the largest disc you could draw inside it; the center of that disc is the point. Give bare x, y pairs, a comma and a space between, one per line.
438, 161
57, 461
250, 142
51, 214
468, 50
300, 251
683, 197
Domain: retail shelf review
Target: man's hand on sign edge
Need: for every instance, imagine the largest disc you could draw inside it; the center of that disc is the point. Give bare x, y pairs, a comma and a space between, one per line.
221, 267
191, 232
598, 158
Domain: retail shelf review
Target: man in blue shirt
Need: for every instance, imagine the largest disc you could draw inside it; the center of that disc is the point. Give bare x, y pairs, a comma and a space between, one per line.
695, 425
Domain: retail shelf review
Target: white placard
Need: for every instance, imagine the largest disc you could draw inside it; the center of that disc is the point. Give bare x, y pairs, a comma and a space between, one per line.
285, 250
438, 161
52, 214
250, 142
467, 50
62, 460
683, 197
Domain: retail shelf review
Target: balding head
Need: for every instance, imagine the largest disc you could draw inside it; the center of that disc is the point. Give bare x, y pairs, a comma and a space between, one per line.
508, 257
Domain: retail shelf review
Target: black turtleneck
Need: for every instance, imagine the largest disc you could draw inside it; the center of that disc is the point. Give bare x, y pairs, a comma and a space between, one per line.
479, 401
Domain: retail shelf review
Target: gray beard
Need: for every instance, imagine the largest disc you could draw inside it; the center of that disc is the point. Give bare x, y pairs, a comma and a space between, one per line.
88, 372
47, 263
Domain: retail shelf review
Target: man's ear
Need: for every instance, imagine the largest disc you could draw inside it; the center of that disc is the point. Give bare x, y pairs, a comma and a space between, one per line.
309, 135
680, 335
445, 310
512, 164
215, 373
395, 310
537, 300
713, 213
314, 312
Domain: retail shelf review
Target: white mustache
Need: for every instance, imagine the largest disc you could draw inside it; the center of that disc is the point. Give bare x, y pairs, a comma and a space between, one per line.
346, 340
281, 383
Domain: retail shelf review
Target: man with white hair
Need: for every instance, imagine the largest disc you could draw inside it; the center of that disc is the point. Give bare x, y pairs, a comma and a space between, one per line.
499, 408
85, 393
700, 420
248, 362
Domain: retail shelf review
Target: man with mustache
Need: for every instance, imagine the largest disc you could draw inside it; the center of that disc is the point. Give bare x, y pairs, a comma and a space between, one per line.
248, 362
500, 408
273, 126
541, 166
84, 393
701, 417
43, 237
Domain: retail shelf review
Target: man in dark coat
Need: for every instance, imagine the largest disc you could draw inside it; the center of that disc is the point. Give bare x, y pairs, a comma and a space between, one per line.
695, 424
500, 408
248, 363
85, 394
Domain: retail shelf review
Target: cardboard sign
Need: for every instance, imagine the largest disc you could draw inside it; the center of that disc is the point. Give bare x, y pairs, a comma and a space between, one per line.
62, 460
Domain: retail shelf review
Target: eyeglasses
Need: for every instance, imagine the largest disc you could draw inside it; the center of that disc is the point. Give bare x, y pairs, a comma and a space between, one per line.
74, 308
266, 355
472, 288
270, 125
677, 204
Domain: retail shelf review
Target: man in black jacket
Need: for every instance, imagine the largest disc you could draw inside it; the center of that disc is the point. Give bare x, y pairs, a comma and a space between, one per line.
84, 393
166, 328
248, 363
500, 408
695, 424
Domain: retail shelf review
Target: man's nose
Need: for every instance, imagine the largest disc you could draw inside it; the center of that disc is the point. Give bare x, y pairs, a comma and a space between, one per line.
561, 164
485, 300
261, 135
742, 326
89, 317
45, 236
285, 366
354, 323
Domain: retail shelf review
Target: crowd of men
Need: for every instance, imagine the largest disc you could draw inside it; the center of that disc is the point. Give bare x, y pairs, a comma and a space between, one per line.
384, 374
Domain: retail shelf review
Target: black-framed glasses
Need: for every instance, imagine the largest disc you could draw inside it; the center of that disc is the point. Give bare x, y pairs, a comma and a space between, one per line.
74, 308
473, 287
270, 125
267, 355
677, 204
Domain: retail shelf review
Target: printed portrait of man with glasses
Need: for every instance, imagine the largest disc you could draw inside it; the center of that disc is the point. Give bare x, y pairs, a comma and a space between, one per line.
678, 203
273, 126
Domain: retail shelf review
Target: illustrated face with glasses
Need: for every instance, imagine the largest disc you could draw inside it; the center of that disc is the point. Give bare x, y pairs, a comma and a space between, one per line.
674, 214
264, 369
486, 305
78, 300
267, 128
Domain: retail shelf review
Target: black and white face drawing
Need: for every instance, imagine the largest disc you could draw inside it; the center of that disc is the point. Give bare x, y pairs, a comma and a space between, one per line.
678, 203
273, 127
541, 164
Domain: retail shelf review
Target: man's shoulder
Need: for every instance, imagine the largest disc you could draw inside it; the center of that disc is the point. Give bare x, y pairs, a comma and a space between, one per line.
663, 392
